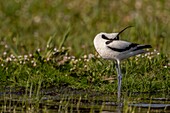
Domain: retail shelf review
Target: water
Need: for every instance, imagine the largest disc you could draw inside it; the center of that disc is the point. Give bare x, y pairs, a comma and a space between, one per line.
68, 100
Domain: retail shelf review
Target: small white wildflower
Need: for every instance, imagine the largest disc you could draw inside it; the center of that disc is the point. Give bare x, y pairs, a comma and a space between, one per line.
37, 19
165, 66
158, 53
66, 54
48, 46
58, 50
6, 46
73, 57
151, 53
32, 61
38, 49
90, 56
98, 56
20, 62
25, 56
136, 58
12, 56
4, 53
139, 55
149, 57
2, 65
87, 60
147, 49
72, 60
75, 61
69, 58
55, 49
30, 55
19, 56
85, 57
63, 48
34, 64
8, 59
48, 59
65, 57
168, 64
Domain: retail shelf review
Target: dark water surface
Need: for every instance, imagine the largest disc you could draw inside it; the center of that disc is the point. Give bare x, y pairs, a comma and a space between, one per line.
79, 101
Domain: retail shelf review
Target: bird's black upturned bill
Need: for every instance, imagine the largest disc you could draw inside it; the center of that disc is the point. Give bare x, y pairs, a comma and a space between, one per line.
117, 37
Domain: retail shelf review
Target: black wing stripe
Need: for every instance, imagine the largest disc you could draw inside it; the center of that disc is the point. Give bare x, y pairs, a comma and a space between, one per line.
129, 47
132, 45
116, 49
143, 47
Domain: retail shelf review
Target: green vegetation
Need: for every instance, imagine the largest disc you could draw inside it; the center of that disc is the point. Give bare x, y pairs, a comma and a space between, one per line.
30, 26
49, 43
56, 68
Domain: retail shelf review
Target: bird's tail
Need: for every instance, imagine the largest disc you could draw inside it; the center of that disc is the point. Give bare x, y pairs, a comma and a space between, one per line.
140, 47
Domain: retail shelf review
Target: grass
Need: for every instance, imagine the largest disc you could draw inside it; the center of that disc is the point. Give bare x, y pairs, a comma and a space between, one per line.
50, 44
35, 22
87, 72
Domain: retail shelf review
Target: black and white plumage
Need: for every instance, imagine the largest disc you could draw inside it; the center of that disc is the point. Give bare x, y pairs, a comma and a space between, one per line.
110, 47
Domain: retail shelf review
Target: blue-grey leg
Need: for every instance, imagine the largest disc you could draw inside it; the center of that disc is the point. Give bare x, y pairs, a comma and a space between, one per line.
117, 70
119, 79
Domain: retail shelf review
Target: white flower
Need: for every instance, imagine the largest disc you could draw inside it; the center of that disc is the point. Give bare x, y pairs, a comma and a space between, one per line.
90, 56
30, 55
4, 53
6, 46
85, 57
38, 49
165, 66
34, 64
55, 49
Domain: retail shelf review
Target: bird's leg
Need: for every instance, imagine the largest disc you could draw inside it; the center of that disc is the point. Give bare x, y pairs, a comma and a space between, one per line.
119, 79
117, 70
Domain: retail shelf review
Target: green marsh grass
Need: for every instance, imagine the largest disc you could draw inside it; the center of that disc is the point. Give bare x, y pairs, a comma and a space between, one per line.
35, 22
50, 44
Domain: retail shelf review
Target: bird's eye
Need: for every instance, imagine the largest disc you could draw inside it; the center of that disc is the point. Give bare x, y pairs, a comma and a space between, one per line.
105, 37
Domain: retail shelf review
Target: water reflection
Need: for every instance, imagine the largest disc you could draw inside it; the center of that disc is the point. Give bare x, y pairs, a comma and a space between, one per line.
83, 102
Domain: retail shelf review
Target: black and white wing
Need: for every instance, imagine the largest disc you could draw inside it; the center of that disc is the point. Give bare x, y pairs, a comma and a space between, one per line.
123, 46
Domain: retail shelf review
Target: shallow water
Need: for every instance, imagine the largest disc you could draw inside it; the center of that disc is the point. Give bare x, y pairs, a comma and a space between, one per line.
68, 100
